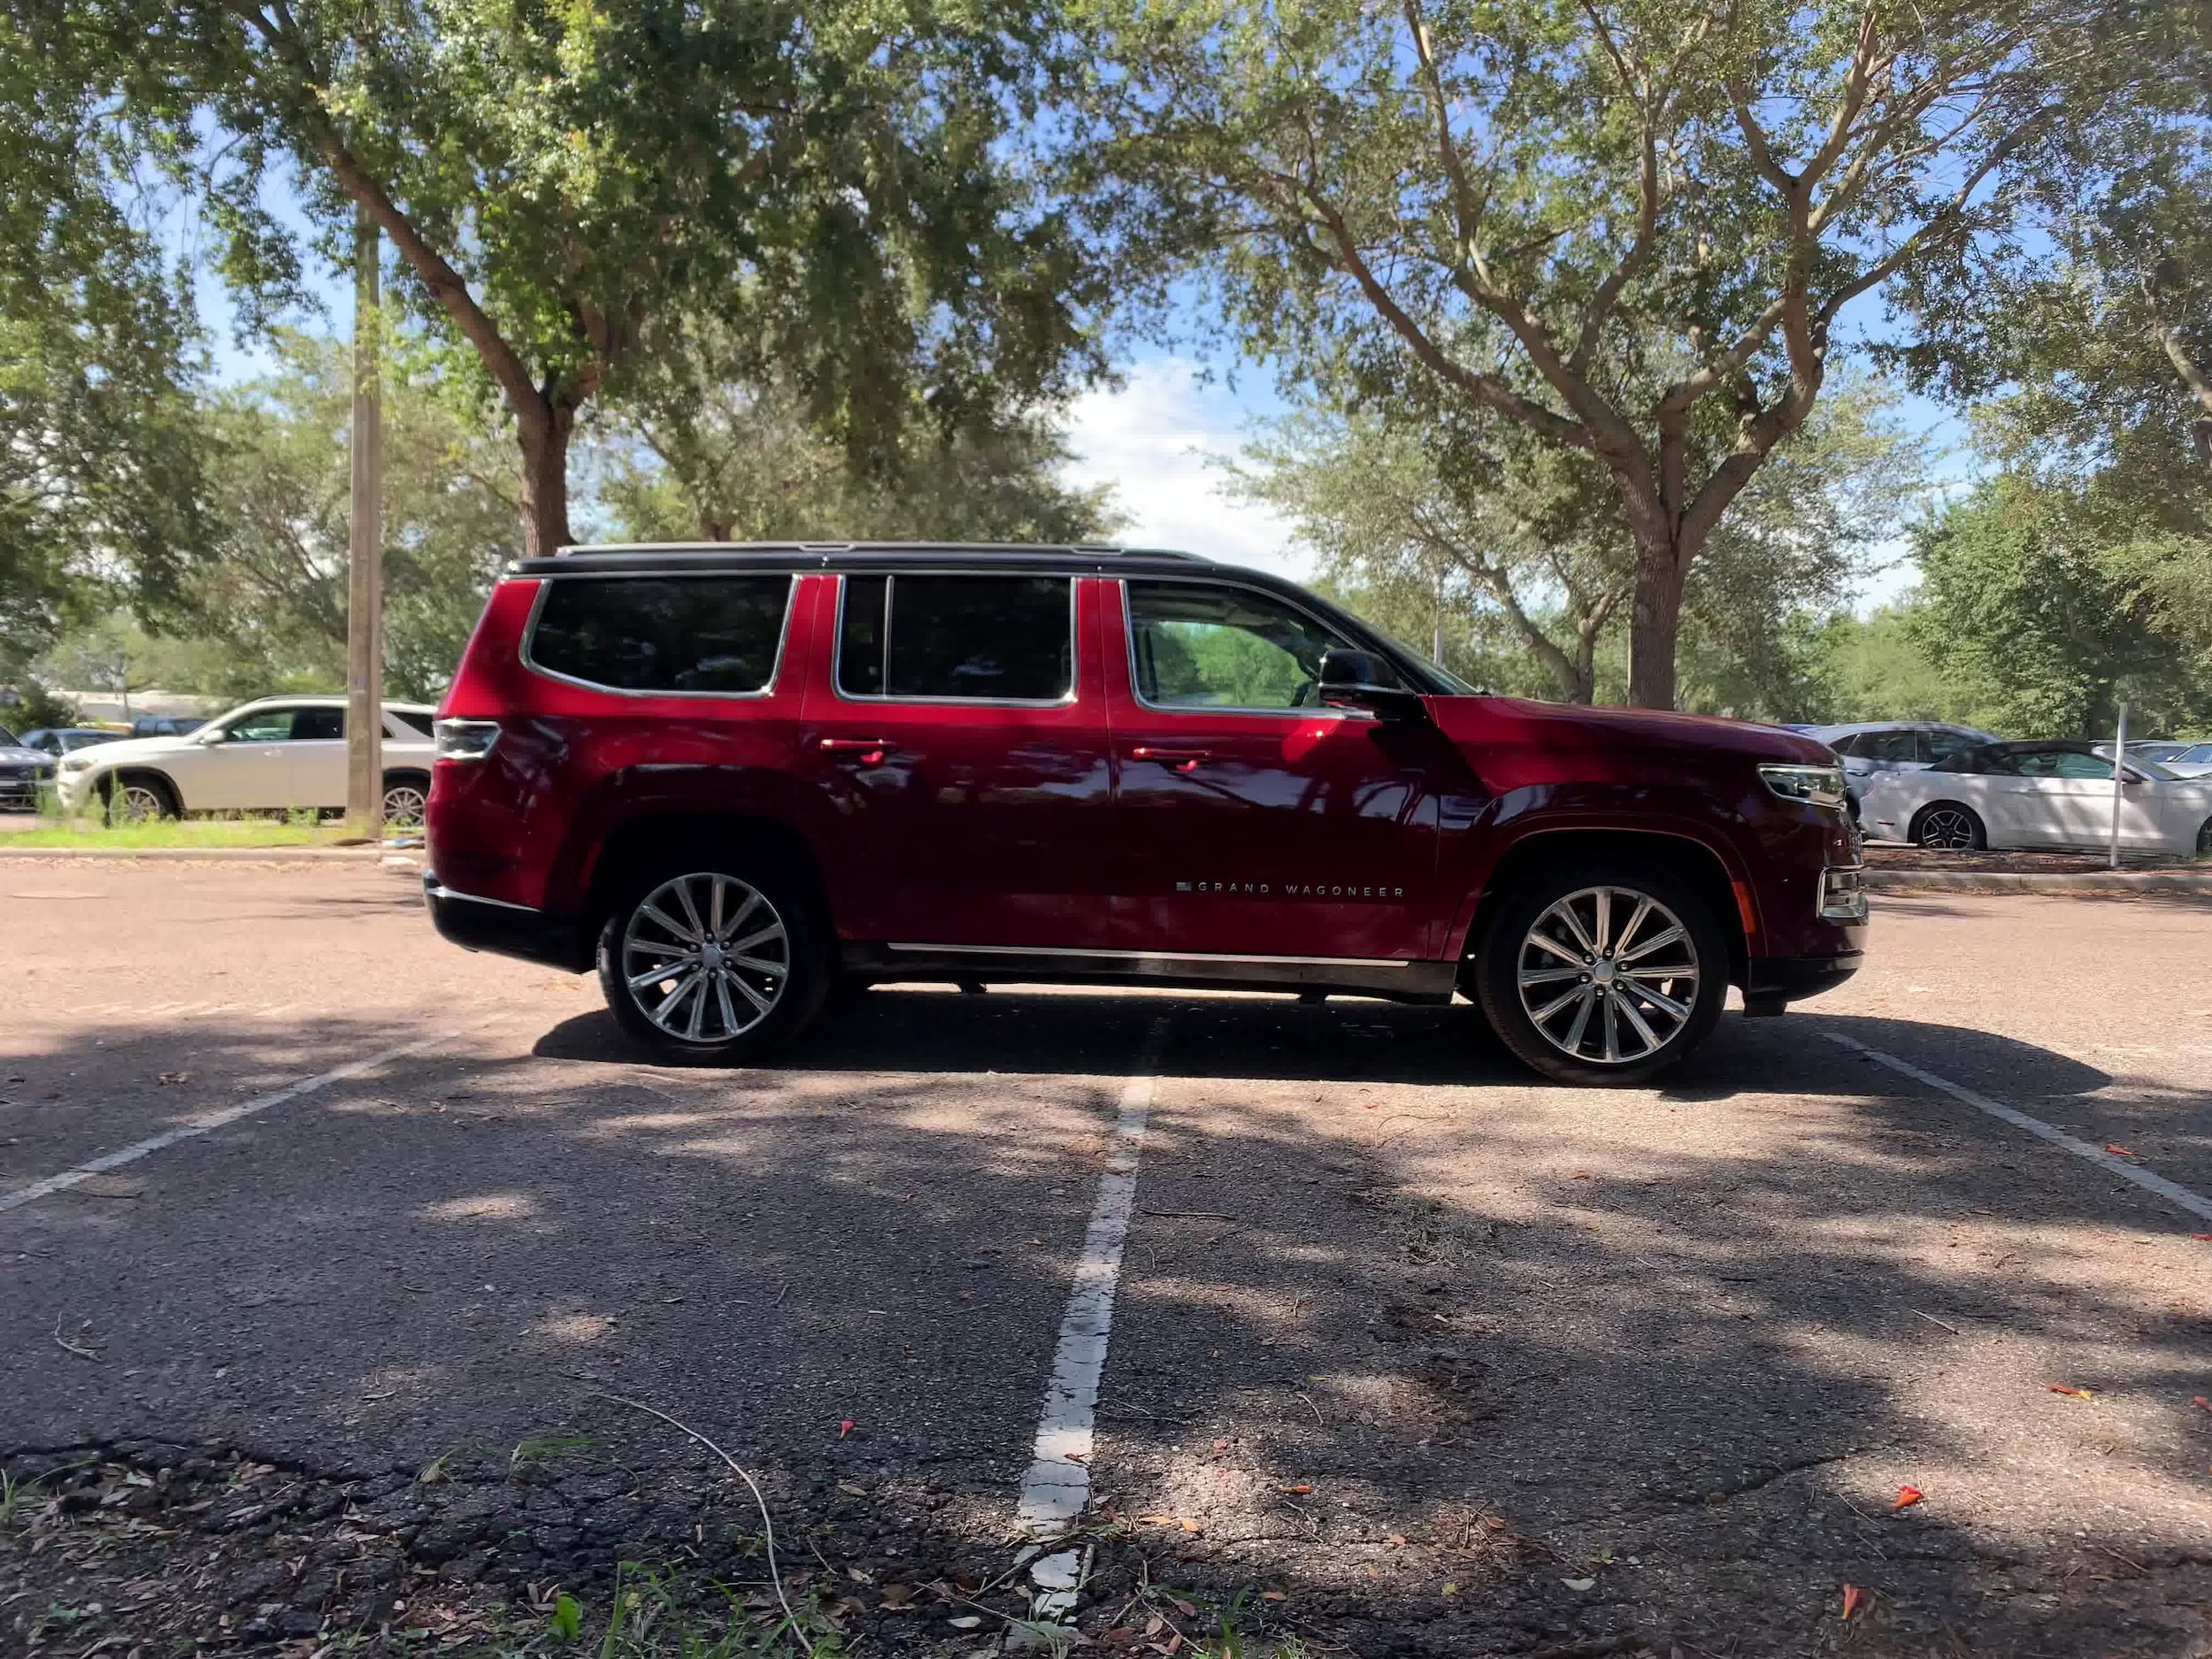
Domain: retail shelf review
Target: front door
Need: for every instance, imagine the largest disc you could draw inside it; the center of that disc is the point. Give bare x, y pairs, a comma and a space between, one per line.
250, 769
1249, 819
2062, 799
960, 738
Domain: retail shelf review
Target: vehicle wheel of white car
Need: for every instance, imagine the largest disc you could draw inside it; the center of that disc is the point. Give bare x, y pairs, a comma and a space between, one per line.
1603, 974
1944, 826
404, 799
708, 962
139, 801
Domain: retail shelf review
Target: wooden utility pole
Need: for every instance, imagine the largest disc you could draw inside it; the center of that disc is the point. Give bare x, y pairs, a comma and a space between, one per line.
365, 558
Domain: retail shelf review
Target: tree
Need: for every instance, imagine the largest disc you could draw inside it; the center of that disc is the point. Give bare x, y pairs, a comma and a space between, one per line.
732, 455
1514, 538
568, 187
1632, 229
101, 454
273, 587
2024, 606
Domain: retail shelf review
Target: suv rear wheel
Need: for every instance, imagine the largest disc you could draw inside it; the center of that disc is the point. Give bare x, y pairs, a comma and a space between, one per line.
705, 959
1605, 974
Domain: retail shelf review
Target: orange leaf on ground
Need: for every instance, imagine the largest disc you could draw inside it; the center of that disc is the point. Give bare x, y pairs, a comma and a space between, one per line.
2067, 1388
2201, 1403
1907, 1496
844, 1428
2202, 1238
1302, 1488
1854, 1598
2117, 1150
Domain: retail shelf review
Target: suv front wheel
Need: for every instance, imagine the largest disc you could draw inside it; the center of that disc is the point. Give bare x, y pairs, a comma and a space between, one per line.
1603, 974
704, 962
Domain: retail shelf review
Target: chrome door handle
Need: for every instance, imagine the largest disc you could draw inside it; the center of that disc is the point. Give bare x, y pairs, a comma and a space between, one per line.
1182, 760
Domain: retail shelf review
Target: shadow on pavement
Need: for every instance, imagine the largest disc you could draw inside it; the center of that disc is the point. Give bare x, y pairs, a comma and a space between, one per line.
1503, 1377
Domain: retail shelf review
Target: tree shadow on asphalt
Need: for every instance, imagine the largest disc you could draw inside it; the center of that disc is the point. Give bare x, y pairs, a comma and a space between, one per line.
1602, 1382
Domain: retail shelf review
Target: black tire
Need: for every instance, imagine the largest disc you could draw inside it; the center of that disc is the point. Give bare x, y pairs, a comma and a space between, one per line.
134, 785
2204, 840
803, 954
408, 793
1948, 826
1700, 990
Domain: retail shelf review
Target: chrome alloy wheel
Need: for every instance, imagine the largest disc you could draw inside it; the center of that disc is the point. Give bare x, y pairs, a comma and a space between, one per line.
1608, 975
1946, 829
706, 956
403, 804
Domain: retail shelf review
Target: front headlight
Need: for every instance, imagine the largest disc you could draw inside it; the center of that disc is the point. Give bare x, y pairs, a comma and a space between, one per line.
77, 763
1820, 786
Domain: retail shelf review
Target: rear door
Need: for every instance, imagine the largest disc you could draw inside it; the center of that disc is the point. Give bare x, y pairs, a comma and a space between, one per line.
319, 758
960, 741
1248, 819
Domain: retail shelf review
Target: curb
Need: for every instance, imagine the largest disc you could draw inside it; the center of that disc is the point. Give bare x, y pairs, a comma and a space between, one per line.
196, 854
2107, 883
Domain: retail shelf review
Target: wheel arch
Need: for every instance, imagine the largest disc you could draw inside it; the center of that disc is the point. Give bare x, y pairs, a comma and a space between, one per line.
1698, 865
1920, 813
652, 839
115, 777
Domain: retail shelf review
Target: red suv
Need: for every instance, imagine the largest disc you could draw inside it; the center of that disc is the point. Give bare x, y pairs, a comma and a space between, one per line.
735, 778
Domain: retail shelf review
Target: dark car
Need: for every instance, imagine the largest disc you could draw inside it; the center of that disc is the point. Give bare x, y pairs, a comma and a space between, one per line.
167, 725
730, 776
61, 740
22, 771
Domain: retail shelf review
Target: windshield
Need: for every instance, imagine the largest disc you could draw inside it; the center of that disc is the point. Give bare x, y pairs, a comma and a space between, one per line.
8, 739
2152, 769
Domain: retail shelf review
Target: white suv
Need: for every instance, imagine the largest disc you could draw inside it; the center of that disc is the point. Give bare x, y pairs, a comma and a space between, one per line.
269, 755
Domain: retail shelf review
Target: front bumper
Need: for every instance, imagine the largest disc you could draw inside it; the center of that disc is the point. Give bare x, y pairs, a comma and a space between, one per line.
505, 930
1773, 979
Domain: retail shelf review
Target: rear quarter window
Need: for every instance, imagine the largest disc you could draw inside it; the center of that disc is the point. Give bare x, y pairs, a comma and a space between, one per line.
685, 634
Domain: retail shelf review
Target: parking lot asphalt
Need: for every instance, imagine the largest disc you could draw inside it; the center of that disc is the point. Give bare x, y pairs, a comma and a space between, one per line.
1409, 1353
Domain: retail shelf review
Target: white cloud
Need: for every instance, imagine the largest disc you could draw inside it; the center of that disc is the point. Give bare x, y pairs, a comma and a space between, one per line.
1151, 440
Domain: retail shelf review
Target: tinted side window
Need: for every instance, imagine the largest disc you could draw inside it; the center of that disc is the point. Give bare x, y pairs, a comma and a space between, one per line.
318, 725
263, 725
679, 634
999, 639
1943, 745
1891, 746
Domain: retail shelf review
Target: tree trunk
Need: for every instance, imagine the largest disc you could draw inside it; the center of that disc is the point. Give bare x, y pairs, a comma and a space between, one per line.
543, 434
1655, 617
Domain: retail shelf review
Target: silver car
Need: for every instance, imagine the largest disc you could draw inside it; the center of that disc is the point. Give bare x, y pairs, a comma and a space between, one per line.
1870, 747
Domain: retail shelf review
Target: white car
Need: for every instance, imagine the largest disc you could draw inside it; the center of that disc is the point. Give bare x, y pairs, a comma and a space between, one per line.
269, 755
2039, 795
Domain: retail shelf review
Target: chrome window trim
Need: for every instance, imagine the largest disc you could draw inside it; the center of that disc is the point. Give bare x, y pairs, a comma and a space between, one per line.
1319, 712
1153, 955
862, 699
775, 669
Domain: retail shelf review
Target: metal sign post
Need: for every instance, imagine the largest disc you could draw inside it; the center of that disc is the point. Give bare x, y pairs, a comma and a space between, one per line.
2119, 756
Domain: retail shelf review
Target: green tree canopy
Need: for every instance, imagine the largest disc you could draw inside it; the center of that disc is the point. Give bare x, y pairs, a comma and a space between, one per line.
570, 187
1630, 228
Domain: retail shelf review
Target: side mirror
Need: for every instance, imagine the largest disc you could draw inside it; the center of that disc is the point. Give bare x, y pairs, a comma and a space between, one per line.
213, 734
1354, 680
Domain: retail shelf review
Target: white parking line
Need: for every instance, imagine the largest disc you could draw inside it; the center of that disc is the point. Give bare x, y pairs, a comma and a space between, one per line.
1058, 1485
208, 1123
2059, 1138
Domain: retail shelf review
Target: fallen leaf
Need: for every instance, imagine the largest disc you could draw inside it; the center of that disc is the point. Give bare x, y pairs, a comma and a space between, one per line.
176, 1076
1581, 1175
1187, 1525
1853, 1599
860, 1575
1155, 1520
846, 1485
2201, 1403
2069, 1389
1907, 1496
1270, 1595
2117, 1150
1183, 1607
897, 1594
1450, 1588
1221, 1446
844, 1428
1154, 1625
966, 1621
2202, 1238
1580, 1584
1300, 1489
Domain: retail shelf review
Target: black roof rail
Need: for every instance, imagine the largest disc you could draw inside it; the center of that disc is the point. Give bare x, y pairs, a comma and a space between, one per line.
787, 549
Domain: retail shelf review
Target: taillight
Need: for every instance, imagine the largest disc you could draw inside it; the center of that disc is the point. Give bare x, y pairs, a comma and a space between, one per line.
466, 739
